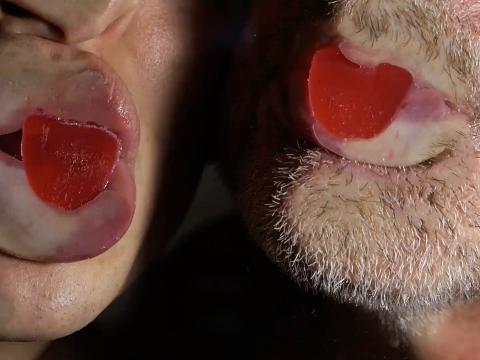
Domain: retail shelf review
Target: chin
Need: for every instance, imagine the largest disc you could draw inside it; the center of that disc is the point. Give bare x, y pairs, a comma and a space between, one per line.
41, 302
375, 237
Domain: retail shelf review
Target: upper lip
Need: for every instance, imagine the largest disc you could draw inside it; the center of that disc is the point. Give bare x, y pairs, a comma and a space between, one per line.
119, 113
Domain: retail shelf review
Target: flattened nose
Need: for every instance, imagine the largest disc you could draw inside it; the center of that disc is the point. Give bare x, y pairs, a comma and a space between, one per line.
78, 20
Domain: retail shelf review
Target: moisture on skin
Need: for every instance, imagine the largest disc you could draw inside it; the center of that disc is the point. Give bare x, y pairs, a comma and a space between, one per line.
378, 113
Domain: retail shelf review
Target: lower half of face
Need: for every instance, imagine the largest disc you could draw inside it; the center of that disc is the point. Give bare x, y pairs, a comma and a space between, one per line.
93, 151
353, 150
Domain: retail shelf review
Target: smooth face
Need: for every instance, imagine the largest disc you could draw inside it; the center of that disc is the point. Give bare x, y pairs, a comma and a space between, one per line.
360, 222
97, 72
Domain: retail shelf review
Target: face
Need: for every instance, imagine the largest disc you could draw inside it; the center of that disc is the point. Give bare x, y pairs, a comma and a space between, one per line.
352, 147
94, 130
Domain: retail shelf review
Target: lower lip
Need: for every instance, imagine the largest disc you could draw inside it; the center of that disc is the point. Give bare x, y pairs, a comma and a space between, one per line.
44, 233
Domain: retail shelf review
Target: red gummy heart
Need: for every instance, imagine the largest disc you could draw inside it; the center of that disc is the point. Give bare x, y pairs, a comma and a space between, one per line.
67, 164
351, 101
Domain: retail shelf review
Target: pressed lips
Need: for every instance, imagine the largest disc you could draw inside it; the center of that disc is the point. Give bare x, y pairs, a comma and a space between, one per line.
70, 194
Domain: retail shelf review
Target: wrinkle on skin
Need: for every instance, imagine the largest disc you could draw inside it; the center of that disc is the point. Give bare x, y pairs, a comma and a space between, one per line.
86, 22
402, 241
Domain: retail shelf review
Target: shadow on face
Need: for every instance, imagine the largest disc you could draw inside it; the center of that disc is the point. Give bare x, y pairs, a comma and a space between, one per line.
143, 73
227, 301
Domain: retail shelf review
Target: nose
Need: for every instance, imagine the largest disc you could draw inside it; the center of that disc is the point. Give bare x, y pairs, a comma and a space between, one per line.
70, 21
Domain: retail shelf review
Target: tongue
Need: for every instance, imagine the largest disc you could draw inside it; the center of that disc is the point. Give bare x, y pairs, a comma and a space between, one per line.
354, 102
67, 164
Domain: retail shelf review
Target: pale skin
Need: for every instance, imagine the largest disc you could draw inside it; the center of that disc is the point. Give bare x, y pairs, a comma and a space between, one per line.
399, 239
152, 46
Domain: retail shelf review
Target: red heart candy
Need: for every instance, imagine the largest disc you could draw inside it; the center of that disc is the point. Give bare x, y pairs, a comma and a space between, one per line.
67, 164
351, 101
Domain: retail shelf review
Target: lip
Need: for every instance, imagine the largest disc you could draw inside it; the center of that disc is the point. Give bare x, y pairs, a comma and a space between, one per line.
66, 73
119, 111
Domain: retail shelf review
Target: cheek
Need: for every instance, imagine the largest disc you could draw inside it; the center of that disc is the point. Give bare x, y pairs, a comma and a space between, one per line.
161, 40
151, 55
154, 56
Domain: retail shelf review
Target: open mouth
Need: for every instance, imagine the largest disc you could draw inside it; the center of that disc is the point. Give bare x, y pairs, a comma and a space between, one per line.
68, 141
11, 144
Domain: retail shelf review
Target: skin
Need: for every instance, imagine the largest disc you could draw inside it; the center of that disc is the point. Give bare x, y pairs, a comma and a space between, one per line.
154, 47
399, 241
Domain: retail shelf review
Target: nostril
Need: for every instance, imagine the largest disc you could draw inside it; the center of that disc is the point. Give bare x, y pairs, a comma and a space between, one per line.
19, 20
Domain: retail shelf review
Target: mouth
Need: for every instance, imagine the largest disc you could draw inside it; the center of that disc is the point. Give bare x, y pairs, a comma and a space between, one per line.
68, 142
368, 102
373, 107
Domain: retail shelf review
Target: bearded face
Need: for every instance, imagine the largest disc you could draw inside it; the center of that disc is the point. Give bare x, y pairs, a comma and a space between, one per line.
351, 139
